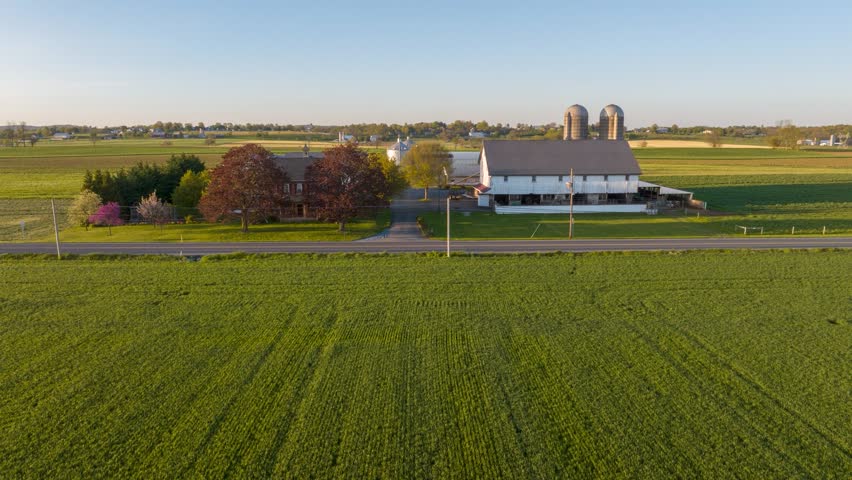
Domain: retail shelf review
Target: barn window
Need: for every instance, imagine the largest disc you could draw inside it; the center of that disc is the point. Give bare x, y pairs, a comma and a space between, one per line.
533, 178
606, 178
505, 178
627, 177
560, 178
584, 178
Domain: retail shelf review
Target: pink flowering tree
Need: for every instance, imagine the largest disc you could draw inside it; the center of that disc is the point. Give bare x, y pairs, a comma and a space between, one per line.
108, 214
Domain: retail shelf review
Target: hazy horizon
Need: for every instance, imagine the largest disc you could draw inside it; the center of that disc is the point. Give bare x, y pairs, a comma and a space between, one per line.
114, 64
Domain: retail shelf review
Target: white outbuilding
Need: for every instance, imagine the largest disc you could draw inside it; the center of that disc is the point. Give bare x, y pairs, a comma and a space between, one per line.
399, 149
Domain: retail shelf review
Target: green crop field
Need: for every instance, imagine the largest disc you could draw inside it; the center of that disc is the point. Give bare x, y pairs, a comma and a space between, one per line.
687, 365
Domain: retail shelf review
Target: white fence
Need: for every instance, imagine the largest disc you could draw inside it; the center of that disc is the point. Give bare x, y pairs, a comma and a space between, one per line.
563, 209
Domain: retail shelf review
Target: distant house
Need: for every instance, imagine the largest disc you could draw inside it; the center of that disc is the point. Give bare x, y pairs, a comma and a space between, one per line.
374, 138
157, 133
295, 164
343, 138
59, 136
474, 134
662, 129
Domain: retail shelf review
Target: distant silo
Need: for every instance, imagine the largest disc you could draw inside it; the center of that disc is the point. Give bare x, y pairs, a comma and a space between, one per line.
576, 123
612, 123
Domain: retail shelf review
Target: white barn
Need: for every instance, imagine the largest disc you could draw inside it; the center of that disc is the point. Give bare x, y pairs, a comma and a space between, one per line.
523, 176
399, 149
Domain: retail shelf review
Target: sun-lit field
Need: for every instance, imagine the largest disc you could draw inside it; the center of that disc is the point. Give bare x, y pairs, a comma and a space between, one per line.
685, 144
698, 365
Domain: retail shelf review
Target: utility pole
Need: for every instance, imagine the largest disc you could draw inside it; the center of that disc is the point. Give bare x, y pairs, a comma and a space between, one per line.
55, 229
570, 185
448, 211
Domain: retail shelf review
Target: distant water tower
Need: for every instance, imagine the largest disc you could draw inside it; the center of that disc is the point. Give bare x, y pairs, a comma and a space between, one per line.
576, 123
612, 123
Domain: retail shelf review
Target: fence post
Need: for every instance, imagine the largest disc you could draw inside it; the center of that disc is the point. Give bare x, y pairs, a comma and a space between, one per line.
55, 228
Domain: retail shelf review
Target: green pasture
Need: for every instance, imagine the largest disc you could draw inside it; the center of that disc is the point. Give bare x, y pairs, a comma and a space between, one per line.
490, 226
671, 365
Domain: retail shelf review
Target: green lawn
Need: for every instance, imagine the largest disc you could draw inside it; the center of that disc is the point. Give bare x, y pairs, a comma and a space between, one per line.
38, 226
690, 365
205, 232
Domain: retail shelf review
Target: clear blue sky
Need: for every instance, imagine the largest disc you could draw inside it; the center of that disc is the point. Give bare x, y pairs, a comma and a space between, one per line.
716, 62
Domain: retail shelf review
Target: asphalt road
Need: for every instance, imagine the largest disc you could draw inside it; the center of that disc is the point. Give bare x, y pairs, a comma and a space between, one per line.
399, 246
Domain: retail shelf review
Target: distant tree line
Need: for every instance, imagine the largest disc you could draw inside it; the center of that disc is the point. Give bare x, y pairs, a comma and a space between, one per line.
457, 132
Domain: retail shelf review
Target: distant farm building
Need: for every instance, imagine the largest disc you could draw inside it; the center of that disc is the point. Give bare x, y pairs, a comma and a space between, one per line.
398, 150
474, 134
60, 136
519, 176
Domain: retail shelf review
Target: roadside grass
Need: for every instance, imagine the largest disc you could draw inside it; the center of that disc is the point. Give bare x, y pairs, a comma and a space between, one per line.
206, 232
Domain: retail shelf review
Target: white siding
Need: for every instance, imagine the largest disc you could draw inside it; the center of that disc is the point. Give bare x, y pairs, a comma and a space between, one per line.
522, 185
484, 176
564, 209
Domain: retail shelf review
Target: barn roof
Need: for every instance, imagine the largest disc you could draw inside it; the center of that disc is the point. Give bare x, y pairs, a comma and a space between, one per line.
557, 157
294, 164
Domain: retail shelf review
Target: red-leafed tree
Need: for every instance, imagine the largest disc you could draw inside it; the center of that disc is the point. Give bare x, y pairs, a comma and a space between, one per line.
246, 185
345, 180
108, 214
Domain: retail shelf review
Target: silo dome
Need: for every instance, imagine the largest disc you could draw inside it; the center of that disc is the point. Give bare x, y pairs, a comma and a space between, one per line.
576, 123
612, 123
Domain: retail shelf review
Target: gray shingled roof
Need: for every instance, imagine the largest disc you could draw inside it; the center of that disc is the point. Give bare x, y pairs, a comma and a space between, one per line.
295, 163
557, 157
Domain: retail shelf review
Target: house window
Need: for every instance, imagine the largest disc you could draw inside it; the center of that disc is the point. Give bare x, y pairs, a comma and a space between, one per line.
505, 178
584, 178
627, 178
298, 188
533, 178
560, 178
606, 178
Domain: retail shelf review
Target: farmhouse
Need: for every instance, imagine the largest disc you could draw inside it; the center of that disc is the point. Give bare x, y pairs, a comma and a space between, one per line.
294, 164
518, 176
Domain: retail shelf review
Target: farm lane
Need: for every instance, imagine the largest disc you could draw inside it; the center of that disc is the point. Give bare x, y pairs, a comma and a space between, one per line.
420, 245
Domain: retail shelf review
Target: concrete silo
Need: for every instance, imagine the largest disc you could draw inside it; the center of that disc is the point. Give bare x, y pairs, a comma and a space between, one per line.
576, 123
612, 123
